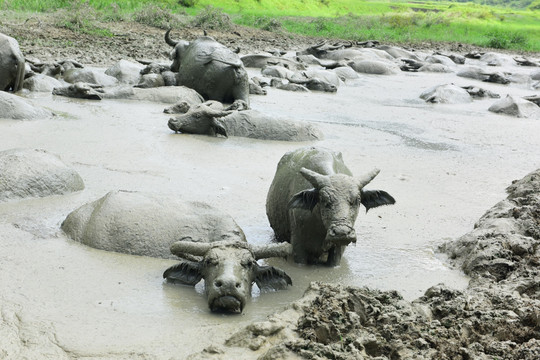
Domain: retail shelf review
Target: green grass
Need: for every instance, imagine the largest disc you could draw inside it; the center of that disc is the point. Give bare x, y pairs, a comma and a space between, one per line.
383, 20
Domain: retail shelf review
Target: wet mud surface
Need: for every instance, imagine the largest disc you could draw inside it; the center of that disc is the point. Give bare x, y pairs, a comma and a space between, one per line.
444, 163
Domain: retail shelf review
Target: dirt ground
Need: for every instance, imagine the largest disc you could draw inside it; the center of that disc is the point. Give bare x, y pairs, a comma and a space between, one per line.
40, 38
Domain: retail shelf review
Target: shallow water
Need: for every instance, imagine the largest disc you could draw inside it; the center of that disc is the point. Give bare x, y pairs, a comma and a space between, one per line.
444, 164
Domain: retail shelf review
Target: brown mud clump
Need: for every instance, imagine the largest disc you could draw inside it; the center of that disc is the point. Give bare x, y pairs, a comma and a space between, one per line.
497, 316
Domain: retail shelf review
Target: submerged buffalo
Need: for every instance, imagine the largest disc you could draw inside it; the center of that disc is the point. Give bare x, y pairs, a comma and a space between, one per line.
211, 119
209, 68
313, 203
12, 67
229, 269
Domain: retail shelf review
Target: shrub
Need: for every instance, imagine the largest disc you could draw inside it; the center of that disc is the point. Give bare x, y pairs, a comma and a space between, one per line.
268, 24
321, 25
535, 5
79, 15
403, 20
188, 3
212, 18
113, 13
157, 16
433, 19
503, 40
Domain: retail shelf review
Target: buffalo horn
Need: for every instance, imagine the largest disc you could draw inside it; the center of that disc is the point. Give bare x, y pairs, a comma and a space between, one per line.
168, 39
318, 45
189, 247
272, 250
366, 179
316, 179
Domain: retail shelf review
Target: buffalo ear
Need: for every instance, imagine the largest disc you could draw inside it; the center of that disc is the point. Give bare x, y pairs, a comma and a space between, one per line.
306, 200
218, 128
374, 198
186, 272
271, 278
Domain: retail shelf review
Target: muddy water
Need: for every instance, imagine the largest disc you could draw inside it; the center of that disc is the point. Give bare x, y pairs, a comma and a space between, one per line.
444, 164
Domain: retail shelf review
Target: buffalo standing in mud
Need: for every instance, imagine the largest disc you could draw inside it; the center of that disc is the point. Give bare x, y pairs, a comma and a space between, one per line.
209, 68
12, 68
229, 269
313, 203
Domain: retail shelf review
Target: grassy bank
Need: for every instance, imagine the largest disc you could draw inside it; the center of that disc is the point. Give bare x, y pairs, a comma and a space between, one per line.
395, 21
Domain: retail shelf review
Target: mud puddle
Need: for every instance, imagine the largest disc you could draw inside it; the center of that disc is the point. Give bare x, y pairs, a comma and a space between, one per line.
444, 164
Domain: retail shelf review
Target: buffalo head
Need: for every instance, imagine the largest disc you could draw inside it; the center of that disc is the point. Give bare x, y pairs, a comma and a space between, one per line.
315, 84
200, 119
229, 269
339, 197
178, 48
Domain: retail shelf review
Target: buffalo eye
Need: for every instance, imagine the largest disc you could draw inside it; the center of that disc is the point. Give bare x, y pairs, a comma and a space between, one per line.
248, 264
211, 261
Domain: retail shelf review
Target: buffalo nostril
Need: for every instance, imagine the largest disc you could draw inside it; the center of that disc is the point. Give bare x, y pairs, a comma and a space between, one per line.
218, 283
238, 285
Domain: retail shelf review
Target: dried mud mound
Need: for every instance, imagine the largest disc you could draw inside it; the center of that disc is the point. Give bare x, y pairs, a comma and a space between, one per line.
503, 247
497, 316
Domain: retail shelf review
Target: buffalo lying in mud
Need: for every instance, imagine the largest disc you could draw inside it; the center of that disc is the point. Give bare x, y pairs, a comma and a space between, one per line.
213, 246
229, 268
12, 67
209, 68
313, 203
211, 119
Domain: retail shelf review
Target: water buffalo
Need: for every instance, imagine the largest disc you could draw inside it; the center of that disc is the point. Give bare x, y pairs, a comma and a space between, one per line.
516, 106
213, 120
322, 80
11, 64
26, 173
229, 268
344, 51
209, 68
261, 60
313, 203
18, 108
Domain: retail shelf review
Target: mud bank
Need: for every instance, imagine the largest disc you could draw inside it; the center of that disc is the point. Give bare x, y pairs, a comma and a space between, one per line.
496, 316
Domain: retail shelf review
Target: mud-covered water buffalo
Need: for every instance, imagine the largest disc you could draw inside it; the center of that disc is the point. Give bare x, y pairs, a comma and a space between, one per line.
211, 120
209, 68
229, 268
11, 64
313, 203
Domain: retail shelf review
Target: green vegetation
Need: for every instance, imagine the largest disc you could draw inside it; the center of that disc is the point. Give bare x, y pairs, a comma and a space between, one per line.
384, 20
516, 4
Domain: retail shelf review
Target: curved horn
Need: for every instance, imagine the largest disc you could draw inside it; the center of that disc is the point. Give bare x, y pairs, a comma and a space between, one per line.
271, 250
189, 247
335, 46
316, 179
210, 112
168, 39
366, 179
318, 45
